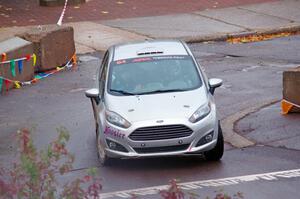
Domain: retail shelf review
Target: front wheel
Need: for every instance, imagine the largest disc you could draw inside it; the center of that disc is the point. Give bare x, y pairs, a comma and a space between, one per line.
217, 152
103, 158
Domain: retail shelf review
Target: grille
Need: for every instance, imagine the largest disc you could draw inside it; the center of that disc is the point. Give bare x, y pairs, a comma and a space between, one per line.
160, 132
162, 149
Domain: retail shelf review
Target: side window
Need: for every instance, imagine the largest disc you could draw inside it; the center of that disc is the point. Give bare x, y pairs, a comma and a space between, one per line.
103, 73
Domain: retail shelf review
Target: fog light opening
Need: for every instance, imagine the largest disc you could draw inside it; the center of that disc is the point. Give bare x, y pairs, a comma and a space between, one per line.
209, 137
112, 145
116, 146
206, 139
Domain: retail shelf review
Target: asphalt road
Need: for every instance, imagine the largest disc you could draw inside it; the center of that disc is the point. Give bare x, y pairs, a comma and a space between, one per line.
252, 74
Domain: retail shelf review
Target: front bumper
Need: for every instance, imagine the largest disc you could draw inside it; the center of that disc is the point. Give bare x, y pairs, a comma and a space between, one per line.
176, 146
192, 150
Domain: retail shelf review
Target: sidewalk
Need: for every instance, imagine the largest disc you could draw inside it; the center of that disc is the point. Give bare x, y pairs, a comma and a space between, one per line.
217, 23
28, 12
214, 24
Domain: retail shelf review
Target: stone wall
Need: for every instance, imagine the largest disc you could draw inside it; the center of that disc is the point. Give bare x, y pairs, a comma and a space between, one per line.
16, 48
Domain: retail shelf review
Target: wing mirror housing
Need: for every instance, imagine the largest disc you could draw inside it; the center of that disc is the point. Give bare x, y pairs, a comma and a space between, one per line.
213, 84
93, 94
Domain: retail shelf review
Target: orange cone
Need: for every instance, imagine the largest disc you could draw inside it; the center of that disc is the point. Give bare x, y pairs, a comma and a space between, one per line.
289, 107
286, 107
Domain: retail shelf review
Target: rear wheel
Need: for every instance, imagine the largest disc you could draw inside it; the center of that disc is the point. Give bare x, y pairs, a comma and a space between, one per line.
217, 152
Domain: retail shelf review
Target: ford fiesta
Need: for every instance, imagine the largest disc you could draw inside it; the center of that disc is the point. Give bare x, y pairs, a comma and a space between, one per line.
153, 99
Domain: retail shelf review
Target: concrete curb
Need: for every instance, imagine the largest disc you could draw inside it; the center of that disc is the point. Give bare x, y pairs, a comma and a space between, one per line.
228, 125
224, 37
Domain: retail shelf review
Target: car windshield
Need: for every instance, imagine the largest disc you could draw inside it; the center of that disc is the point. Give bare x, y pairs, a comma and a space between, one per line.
151, 75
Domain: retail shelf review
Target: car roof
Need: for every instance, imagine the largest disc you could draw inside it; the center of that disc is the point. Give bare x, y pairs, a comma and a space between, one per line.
149, 48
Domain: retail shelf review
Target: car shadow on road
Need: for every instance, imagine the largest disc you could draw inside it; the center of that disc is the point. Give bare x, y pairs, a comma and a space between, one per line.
169, 163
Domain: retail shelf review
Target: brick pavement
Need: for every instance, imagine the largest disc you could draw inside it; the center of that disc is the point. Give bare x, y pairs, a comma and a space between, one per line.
28, 12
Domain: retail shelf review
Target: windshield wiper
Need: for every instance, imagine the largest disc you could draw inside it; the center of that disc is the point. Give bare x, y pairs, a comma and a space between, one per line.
161, 91
122, 92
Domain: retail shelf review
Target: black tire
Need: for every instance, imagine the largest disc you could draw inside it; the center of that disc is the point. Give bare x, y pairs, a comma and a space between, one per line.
106, 161
103, 158
217, 152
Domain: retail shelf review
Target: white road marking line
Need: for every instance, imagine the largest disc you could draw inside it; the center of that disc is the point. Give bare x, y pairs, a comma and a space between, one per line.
272, 176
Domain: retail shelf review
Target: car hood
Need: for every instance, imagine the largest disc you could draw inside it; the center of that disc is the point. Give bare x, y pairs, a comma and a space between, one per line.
158, 106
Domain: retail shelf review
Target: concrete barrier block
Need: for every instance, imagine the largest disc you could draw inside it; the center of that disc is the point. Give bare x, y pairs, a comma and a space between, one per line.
291, 86
50, 3
17, 48
54, 45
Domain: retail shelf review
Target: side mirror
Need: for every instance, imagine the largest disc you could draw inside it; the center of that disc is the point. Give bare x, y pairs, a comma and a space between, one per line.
93, 94
213, 84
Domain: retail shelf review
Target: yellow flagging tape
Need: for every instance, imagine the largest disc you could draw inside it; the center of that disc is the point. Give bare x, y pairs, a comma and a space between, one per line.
287, 106
18, 84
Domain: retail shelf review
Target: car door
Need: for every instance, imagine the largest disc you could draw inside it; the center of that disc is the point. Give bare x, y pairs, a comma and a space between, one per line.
98, 105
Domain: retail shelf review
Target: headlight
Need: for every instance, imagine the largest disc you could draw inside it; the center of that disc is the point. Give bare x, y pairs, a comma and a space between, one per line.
116, 119
200, 113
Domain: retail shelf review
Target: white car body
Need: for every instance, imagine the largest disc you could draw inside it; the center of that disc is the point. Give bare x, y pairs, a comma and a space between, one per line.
163, 123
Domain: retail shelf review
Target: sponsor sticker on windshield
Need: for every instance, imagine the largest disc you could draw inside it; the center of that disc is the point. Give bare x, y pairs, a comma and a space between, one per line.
170, 57
149, 59
143, 59
123, 61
